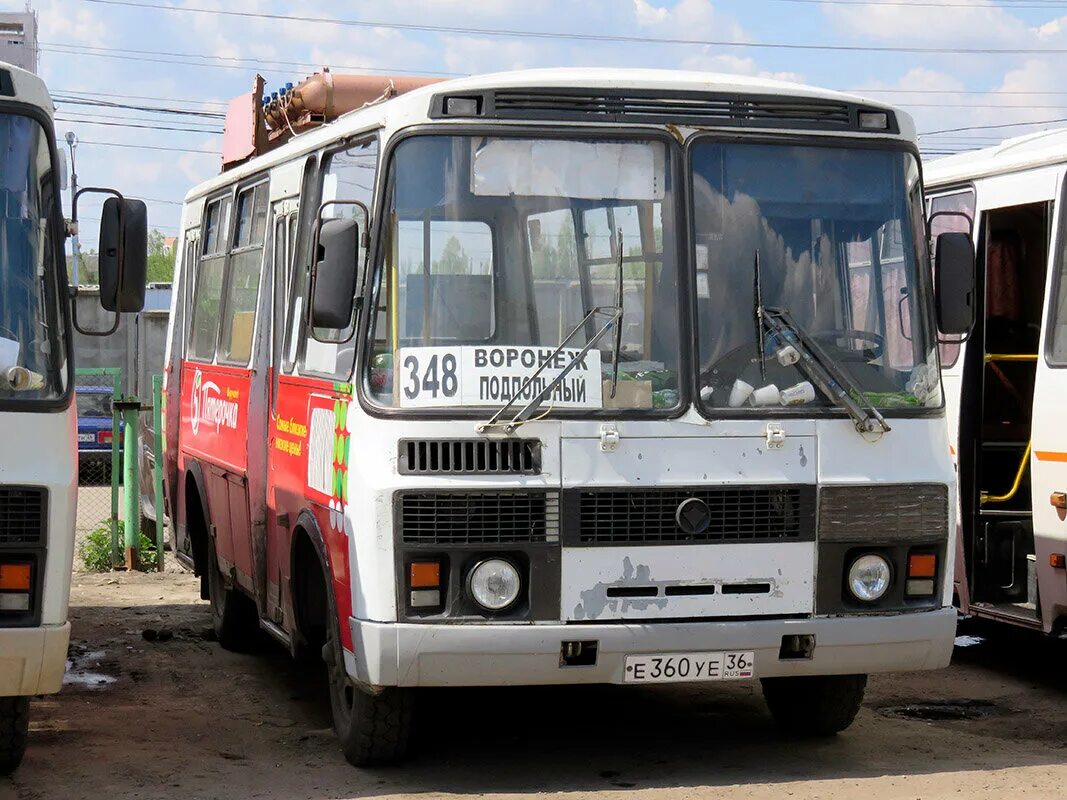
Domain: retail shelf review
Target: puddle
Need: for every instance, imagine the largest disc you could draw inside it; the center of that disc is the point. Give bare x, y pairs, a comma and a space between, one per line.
80, 670
968, 641
941, 710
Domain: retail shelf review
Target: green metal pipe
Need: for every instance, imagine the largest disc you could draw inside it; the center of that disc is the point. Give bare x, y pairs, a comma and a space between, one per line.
116, 442
130, 489
157, 471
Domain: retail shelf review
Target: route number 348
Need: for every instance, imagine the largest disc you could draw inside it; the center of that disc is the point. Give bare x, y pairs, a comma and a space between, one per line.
433, 377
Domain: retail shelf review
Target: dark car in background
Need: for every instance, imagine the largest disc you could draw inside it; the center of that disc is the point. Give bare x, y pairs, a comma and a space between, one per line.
94, 432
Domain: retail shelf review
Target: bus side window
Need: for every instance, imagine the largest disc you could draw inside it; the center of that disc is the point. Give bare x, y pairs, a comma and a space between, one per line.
1056, 352
186, 276
964, 202
207, 289
242, 284
284, 227
348, 174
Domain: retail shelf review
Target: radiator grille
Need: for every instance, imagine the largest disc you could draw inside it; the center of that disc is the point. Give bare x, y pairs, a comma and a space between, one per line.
890, 513
456, 518
699, 108
736, 514
469, 457
23, 515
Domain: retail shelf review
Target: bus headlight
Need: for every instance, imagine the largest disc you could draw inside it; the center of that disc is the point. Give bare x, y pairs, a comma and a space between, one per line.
494, 584
868, 577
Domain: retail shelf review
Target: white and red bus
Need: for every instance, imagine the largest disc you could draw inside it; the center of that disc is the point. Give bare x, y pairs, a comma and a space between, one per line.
1006, 384
568, 376
38, 420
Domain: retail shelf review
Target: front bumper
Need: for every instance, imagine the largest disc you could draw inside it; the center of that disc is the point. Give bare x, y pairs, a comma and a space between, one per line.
391, 654
33, 660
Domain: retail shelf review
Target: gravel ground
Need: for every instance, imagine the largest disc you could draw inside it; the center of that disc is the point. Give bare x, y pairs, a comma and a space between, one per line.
184, 719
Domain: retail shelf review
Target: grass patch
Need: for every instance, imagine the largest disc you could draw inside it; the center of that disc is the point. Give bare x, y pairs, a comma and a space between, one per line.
96, 549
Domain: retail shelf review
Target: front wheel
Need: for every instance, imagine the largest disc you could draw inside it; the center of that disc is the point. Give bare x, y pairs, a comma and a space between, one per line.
374, 729
821, 705
14, 731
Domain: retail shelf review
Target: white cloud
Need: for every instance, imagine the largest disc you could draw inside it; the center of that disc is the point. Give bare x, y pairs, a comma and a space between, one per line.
57, 21
980, 21
648, 14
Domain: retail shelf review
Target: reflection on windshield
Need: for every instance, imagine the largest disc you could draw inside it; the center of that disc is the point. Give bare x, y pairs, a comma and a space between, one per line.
834, 230
31, 330
497, 248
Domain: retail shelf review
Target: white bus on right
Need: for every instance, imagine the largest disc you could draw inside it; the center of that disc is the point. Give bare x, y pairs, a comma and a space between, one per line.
1006, 383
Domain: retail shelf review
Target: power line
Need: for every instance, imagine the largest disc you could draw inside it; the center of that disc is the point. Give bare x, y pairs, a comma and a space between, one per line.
159, 200
254, 65
947, 91
86, 92
1054, 4
135, 125
991, 127
588, 37
149, 147
76, 101
126, 118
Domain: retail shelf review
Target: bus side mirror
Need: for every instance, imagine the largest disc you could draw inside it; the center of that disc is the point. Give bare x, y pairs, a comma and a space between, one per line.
123, 254
954, 282
334, 273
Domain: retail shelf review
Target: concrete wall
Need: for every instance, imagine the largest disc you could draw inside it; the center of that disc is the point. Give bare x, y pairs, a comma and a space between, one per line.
136, 347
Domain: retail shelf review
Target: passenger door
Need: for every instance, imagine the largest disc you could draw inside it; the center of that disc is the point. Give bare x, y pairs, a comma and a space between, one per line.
1048, 461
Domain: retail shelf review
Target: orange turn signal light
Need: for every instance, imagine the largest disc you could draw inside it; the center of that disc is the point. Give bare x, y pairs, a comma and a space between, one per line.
922, 565
15, 577
1058, 561
424, 575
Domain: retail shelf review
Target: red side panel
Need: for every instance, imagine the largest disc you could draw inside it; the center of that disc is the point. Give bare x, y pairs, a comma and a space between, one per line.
214, 430
308, 458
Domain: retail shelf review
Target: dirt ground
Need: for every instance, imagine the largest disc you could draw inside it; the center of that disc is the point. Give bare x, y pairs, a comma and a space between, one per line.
185, 719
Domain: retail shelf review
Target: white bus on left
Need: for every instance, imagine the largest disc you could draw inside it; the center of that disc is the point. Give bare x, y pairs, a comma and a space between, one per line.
39, 455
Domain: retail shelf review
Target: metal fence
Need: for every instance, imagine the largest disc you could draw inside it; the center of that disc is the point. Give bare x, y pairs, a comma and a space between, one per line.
123, 367
99, 439
120, 470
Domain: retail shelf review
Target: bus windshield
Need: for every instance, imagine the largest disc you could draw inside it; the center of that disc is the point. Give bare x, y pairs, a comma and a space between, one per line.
837, 236
497, 248
32, 337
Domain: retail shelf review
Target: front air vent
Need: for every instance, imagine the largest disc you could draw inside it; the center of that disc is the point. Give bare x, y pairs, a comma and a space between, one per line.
477, 518
700, 514
23, 515
674, 107
469, 457
883, 513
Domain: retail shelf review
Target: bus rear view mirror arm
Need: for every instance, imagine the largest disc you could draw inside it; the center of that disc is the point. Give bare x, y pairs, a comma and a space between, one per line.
954, 283
335, 270
123, 259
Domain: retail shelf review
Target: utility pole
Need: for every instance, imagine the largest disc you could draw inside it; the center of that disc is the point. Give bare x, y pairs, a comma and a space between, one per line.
75, 250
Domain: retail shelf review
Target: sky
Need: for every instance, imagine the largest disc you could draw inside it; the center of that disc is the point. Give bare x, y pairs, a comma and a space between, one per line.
930, 57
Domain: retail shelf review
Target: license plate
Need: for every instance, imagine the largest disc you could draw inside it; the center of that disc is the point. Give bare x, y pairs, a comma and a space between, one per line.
730, 665
86, 437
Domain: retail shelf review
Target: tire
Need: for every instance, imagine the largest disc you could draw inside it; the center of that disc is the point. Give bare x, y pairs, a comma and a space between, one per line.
233, 615
14, 732
821, 705
374, 729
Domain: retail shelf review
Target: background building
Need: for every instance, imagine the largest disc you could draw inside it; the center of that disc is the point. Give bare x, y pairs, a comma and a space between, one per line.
18, 38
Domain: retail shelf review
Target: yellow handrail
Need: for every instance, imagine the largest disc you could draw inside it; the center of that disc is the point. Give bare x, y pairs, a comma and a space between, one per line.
1009, 357
1003, 498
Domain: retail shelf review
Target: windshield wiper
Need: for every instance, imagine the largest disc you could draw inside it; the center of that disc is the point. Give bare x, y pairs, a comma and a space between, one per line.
614, 315
824, 372
757, 299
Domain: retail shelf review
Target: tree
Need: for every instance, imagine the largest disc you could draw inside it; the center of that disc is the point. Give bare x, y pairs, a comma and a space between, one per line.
160, 258
454, 259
